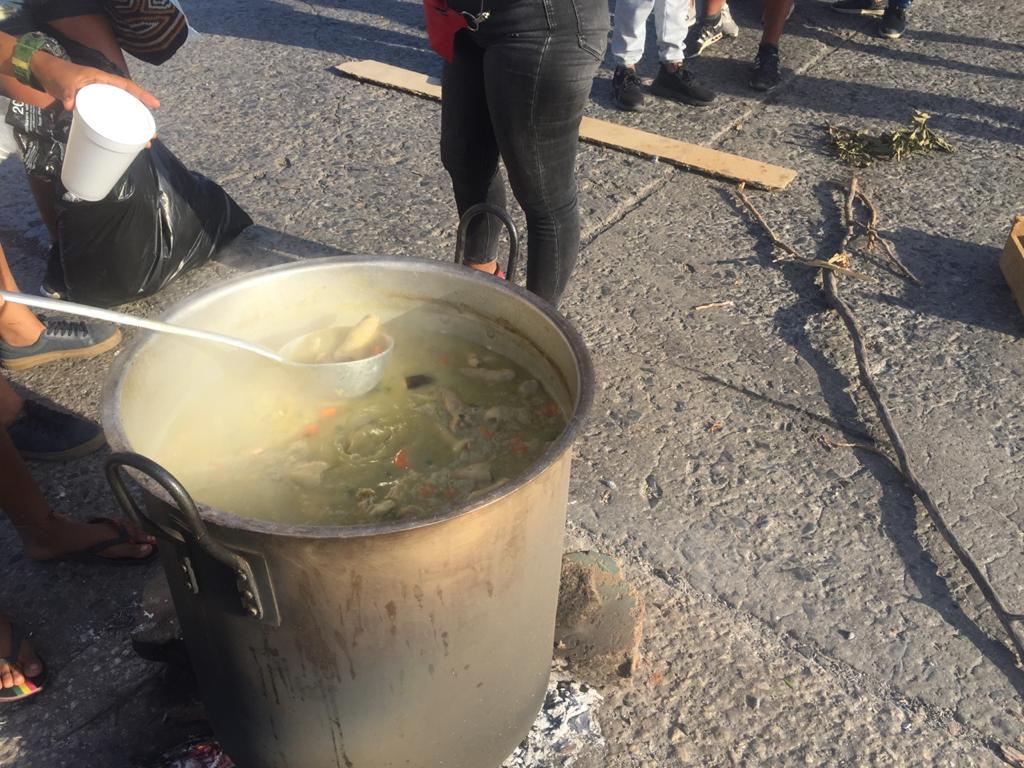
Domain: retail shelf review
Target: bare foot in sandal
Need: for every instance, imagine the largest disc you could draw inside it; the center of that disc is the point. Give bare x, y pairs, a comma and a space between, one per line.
20, 668
57, 537
49, 536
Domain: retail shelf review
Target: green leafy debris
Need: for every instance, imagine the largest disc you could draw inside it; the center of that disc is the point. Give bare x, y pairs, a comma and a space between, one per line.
861, 148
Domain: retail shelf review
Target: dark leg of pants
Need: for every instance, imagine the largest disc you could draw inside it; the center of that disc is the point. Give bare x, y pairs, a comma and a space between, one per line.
534, 87
469, 151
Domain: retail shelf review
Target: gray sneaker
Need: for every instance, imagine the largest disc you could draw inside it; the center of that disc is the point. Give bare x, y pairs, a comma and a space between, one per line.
61, 340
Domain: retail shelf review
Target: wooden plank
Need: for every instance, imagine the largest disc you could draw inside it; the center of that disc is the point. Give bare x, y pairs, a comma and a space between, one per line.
379, 73
690, 156
602, 132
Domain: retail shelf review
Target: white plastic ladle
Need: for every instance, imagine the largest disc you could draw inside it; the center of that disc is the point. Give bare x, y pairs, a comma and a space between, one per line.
345, 379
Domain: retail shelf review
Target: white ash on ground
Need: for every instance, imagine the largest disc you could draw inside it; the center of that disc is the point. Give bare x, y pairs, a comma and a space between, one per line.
566, 728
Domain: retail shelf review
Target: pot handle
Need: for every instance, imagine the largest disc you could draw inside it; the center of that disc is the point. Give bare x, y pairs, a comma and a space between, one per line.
513, 237
194, 527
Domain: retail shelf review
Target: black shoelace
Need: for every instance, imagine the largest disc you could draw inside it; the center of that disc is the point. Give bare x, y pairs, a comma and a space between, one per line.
630, 78
66, 328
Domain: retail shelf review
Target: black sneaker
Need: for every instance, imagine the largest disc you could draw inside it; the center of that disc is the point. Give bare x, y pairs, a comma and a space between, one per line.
46, 434
682, 86
704, 34
53, 286
765, 74
893, 23
627, 93
61, 340
860, 7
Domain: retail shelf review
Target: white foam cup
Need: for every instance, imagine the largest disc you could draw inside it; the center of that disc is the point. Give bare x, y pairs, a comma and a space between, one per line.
108, 129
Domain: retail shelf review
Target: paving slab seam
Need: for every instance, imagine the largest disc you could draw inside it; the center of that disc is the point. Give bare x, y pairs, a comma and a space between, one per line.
129, 694
717, 138
623, 210
809, 650
852, 681
805, 416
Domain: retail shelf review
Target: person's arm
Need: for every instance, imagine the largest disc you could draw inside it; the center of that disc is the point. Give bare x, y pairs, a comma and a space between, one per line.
60, 79
10, 85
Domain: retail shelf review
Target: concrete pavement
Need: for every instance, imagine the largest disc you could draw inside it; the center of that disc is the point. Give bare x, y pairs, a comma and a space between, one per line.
801, 608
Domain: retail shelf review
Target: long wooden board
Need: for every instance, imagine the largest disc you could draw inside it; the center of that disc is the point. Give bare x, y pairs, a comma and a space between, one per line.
602, 132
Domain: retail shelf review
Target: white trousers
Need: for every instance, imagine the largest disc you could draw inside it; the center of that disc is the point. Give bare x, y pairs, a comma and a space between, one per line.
630, 33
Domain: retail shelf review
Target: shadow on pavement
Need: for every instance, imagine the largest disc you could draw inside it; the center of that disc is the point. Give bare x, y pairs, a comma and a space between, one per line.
958, 39
884, 49
956, 114
726, 73
897, 505
278, 23
963, 282
725, 68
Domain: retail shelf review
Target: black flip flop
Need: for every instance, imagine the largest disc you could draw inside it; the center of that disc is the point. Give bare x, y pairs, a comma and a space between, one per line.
92, 556
32, 685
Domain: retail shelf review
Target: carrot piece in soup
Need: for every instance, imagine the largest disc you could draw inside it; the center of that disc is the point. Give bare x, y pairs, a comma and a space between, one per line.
401, 460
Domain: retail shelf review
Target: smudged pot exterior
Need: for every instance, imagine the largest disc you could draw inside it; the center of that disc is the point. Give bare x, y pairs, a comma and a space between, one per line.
391, 648
424, 644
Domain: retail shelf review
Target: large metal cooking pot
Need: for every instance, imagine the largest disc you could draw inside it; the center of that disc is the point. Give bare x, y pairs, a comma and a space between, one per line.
412, 643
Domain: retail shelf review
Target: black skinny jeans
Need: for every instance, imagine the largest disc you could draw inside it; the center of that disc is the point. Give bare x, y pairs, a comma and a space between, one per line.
517, 88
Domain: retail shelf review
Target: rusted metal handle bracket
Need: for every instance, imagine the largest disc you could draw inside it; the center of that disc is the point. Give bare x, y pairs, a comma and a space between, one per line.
256, 594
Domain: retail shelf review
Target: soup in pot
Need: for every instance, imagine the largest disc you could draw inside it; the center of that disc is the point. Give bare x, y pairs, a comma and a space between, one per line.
451, 420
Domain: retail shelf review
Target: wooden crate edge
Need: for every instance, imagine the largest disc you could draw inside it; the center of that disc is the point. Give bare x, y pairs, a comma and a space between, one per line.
1012, 261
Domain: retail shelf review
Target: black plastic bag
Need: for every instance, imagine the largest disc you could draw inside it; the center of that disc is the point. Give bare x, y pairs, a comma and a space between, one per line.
42, 134
158, 221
